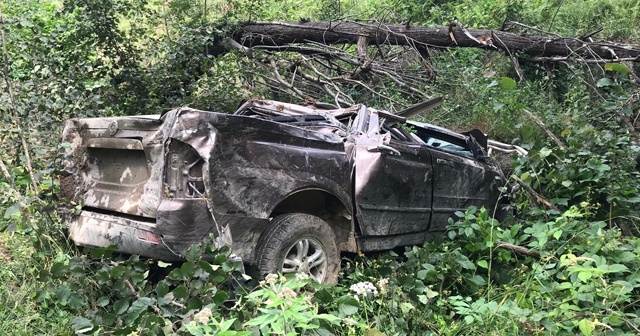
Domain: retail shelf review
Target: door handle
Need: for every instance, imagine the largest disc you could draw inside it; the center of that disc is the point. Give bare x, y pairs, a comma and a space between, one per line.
444, 162
384, 150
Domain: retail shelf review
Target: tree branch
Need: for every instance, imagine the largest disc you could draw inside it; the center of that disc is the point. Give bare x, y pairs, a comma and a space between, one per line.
518, 249
545, 129
7, 176
539, 198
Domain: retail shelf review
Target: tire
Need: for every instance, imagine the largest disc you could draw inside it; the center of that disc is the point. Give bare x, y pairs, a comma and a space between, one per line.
299, 243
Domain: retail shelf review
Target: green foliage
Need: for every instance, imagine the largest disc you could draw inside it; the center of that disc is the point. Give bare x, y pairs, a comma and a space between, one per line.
124, 300
100, 58
598, 168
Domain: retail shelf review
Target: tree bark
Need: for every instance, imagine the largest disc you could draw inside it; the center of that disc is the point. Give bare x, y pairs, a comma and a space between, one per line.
541, 48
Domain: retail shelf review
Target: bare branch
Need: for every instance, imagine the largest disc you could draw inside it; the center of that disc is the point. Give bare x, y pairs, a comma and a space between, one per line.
518, 249
7, 176
626, 120
545, 129
539, 198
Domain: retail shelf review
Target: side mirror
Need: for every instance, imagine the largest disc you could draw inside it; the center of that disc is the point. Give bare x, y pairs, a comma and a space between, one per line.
384, 150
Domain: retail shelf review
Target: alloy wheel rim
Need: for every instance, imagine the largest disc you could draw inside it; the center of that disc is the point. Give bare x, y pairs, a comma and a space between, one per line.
306, 256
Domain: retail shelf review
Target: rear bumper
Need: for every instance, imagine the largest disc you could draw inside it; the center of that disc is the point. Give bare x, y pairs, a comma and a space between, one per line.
94, 229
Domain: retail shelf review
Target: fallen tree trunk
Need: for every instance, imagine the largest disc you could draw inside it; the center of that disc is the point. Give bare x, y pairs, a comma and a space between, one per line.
541, 48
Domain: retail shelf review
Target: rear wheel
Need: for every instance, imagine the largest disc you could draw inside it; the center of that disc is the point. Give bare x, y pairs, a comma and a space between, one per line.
299, 243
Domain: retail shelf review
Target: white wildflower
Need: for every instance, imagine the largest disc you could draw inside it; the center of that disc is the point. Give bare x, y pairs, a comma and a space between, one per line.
271, 279
364, 288
302, 276
383, 284
203, 315
287, 293
349, 321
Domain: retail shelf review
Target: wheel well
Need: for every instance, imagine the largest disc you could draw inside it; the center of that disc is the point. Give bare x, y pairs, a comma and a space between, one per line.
326, 206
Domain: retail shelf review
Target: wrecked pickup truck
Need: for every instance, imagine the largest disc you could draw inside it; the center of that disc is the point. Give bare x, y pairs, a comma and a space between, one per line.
288, 187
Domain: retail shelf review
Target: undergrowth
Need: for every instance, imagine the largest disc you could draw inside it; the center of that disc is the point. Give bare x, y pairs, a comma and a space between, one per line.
100, 58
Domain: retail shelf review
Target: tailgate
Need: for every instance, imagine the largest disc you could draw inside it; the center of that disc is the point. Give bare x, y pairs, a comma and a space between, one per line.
114, 164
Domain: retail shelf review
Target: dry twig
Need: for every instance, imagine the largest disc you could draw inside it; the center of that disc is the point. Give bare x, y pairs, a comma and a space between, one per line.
518, 249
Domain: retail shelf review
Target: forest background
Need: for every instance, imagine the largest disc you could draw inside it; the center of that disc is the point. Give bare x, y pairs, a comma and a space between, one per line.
85, 58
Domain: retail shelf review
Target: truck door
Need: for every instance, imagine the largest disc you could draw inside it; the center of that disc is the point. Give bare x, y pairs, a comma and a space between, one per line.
393, 185
460, 180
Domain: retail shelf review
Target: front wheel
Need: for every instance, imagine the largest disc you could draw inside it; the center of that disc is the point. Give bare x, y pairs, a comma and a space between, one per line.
299, 243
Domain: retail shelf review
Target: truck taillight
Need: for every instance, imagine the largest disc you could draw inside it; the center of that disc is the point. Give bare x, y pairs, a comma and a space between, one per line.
184, 172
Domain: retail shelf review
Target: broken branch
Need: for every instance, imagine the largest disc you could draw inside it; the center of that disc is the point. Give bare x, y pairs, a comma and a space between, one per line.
7, 175
545, 129
539, 198
518, 249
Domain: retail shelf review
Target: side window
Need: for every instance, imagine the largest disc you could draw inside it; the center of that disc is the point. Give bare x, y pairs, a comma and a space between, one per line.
446, 144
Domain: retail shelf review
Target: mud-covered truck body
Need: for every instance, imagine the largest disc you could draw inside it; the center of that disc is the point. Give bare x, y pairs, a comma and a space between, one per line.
287, 187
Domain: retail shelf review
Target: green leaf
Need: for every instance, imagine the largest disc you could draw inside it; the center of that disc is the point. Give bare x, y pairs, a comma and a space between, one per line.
188, 269
120, 306
617, 67
506, 83
617, 268
118, 272
406, 307
606, 81
102, 302
162, 289
323, 296
564, 285
194, 303
58, 268
76, 301
328, 317
219, 297
544, 152
263, 319
180, 292
81, 325
63, 293
464, 261
584, 276
13, 211
586, 327
430, 293
163, 264
567, 183
483, 264
137, 308
373, 332
557, 234
347, 305
527, 131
